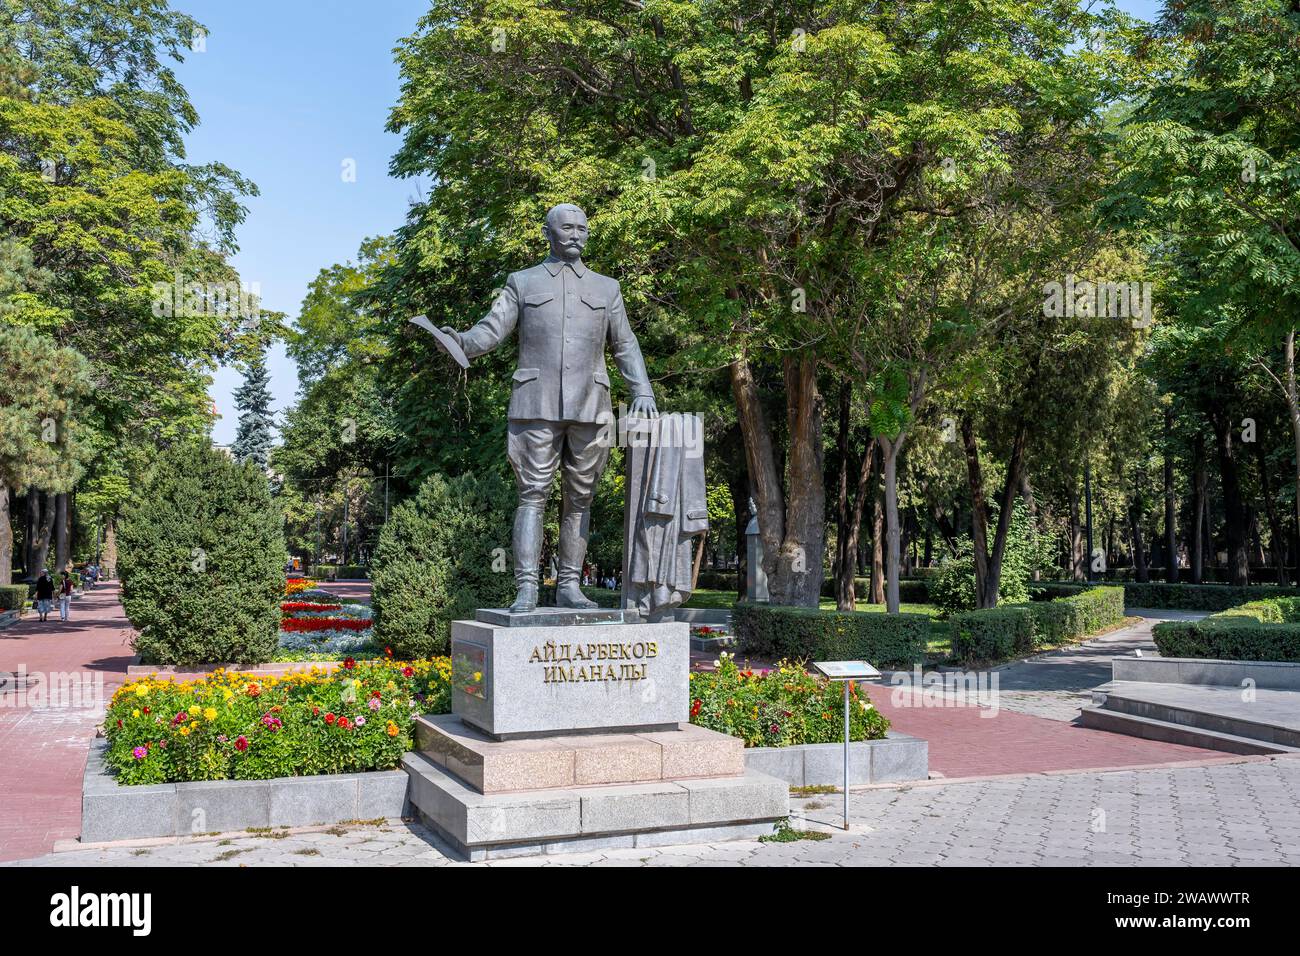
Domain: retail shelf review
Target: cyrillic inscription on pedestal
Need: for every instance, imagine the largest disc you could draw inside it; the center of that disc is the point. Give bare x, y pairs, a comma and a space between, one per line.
530, 681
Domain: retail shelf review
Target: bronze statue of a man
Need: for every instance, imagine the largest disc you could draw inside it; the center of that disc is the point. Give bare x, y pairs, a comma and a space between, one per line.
560, 413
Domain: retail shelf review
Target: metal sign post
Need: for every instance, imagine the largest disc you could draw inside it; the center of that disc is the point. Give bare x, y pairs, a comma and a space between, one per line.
846, 672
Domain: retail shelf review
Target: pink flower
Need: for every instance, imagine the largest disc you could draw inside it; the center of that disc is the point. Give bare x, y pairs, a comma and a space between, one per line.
373, 703
241, 743
361, 721
139, 753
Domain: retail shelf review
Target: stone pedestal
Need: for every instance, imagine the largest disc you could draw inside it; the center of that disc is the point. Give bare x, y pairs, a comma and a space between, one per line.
515, 682
575, 736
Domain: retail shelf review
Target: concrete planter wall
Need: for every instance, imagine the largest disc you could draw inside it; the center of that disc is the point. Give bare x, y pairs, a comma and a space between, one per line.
110, 811
896, 759
1274, 675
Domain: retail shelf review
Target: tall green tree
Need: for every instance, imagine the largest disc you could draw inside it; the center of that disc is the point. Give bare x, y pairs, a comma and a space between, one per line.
42, 388
256, 418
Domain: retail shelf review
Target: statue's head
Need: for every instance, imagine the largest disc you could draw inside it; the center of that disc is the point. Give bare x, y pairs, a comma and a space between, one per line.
566, 231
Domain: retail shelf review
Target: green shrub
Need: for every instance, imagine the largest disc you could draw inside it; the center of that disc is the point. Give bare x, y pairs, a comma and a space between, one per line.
781, 708
201, 558
952, 585
1200, 597
774, 632
1012, 630
910, 590
1265, 630
12, 596
442, 555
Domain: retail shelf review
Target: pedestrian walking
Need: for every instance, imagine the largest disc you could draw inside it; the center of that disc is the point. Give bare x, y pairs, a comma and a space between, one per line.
44, 594
65, 596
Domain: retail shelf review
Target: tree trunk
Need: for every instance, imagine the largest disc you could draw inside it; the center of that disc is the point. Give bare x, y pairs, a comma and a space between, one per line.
1140, 572
1078, 559
62, 537
1293, 409
6, 538
893, 542
979, 512
1234, 508
878, 544
846, 589
760, 460
30, 530
1276, 536
988, 563
1171, 505
1196, 557
804, 546
108, 561
43, 534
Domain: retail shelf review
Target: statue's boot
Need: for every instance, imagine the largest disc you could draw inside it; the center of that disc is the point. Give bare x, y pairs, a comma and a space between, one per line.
528, 551
573, 548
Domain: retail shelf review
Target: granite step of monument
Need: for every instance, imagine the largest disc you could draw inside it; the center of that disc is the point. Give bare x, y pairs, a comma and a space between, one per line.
493, 826
576, 760
1150, 728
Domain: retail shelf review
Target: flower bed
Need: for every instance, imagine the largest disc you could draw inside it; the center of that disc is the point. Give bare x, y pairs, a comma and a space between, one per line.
324, 629
780, 708
230, 725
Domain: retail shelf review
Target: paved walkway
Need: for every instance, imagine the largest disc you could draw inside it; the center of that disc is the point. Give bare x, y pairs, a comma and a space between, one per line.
1056, 684
43, 748
1244, 813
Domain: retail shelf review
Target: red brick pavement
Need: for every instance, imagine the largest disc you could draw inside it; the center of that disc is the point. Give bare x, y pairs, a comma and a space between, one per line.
43, 750
965, 744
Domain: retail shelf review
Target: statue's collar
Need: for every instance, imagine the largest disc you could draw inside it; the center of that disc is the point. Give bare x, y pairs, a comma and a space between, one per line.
554, 264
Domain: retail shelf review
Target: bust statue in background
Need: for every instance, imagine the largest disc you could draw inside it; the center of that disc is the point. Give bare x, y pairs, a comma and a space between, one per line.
560, 416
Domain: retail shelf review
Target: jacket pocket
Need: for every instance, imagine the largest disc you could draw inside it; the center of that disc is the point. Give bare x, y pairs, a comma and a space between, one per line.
538, 299
526, 374
594, 302
602, 378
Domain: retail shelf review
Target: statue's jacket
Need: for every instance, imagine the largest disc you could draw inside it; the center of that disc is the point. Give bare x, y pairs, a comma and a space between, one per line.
566, 313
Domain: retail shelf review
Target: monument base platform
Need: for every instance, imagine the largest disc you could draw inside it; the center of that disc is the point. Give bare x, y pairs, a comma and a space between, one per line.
576, 760
577, 819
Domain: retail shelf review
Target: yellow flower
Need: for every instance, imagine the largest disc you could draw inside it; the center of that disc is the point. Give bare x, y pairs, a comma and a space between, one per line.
227, 693
210, 713
185, 731
135, 713
142, 690
195, 710
478, 676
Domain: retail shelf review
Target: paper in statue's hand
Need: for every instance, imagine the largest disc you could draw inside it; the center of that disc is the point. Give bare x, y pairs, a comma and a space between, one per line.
445, 341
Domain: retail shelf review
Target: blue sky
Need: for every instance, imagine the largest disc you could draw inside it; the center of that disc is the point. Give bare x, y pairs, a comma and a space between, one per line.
287, 91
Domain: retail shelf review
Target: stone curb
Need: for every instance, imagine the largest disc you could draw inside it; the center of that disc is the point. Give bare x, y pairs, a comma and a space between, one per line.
111, 812
1072, 771
896, 759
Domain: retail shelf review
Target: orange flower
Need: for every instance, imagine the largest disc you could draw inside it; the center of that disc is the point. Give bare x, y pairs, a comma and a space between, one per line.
393, 729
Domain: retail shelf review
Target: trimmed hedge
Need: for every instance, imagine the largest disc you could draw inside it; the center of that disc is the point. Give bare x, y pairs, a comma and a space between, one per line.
12, 596
776, 632
1201, 597
1267, 630
1002, 632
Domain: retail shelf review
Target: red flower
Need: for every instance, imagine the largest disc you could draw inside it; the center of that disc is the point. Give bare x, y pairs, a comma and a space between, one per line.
375, 693
349, 663
388, 652
241, 743
146, 710
696, 707
408, 671
315, 711
119, 723
329, 718
344, 724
